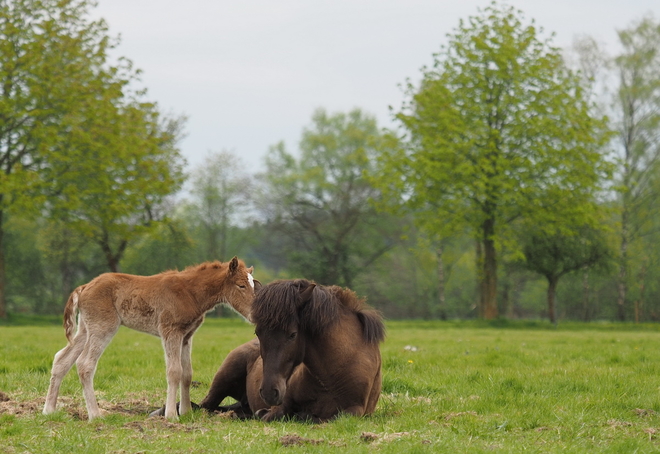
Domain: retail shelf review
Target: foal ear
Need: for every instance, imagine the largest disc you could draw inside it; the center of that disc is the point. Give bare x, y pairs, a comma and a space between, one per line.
233, 265
306, 294
250, 270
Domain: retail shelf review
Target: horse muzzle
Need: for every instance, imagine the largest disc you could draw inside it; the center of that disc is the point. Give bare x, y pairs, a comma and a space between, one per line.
272, 395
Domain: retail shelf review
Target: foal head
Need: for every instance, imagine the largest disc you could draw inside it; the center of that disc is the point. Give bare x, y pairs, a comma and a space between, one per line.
239, 287
286, 314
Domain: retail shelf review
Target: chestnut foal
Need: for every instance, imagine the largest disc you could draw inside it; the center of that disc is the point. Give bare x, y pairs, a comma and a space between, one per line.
170, 305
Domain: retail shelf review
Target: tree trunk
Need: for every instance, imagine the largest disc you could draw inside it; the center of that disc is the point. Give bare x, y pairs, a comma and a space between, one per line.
480, 279
212, 252
552, 289
112, 259
623, 268
442, 309
490, 271
3, 297
586, 296
640, 301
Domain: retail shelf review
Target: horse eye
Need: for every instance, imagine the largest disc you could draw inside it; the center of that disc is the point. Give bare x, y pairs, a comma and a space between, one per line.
293, 335
241, 286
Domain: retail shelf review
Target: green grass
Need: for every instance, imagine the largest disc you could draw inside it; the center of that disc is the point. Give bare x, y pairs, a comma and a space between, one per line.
470, 387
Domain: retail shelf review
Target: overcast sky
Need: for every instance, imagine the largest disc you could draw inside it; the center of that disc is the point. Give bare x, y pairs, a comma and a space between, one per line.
250, 73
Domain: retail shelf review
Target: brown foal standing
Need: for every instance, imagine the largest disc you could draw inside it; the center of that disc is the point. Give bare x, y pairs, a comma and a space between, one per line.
170, 305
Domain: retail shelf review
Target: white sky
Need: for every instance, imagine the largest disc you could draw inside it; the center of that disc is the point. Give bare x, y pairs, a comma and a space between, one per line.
249, 73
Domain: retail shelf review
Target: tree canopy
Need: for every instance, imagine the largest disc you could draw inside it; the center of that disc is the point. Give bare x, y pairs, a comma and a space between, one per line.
323, 200
499, 129
74, 132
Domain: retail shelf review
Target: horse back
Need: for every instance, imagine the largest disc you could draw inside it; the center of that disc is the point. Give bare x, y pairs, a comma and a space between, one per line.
142, 303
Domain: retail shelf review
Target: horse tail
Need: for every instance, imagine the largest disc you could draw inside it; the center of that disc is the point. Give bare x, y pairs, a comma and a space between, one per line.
70, 312
373, 328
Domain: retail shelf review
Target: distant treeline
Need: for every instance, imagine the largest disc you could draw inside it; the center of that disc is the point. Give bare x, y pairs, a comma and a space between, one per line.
523, 181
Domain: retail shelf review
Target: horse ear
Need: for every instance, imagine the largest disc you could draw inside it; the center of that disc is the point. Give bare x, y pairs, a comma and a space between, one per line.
250, 270
233, 265
257, 285
306, 294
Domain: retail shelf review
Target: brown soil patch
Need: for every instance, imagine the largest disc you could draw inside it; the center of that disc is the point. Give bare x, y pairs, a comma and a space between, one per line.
12, 407
297, 440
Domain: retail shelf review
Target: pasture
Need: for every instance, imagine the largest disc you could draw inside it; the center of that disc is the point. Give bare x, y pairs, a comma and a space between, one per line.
447, 387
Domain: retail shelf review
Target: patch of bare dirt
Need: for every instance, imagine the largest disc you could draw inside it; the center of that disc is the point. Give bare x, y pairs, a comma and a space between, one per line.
19, 408
618, 423
371, 437
297, 440
130, 407
368, 437
158, 423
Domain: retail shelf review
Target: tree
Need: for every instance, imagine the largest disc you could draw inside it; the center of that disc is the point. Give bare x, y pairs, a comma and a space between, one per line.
554, 253
322, 201
499, 129
636, 114
112, 182
50, 60
220, 188
76, 141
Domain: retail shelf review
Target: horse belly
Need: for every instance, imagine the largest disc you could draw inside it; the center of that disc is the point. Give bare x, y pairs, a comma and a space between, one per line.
141, 324
137, 313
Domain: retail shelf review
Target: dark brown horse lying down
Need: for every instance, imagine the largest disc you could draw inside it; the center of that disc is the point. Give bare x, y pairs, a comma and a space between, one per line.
317, 355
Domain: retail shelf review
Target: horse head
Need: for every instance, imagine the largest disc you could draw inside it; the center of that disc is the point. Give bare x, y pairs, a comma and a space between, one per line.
276, 313
240, 287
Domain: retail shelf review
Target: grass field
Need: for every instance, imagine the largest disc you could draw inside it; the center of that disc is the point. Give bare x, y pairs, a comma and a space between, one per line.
467, 388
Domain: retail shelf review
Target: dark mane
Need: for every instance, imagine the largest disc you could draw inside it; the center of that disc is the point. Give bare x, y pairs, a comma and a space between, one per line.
279, 303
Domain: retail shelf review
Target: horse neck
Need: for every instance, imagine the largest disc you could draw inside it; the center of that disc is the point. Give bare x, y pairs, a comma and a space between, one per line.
207, 288
326, 354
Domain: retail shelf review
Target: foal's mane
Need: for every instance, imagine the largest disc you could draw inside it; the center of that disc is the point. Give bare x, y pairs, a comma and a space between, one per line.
279, 303
202, 266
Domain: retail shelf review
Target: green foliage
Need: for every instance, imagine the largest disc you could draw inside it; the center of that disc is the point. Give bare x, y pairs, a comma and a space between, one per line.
480, 386
554, 255
499, 127
111, 185
636, 118
322, 201
167, 247
220, 196
75, 140
499, 130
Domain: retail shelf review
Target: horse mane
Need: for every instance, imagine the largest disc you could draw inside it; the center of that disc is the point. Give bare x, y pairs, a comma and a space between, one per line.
202, 266
279, 303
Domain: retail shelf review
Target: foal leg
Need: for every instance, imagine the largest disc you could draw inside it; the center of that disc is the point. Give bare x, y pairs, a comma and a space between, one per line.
173, 346
98, 337
186, 375
62, 364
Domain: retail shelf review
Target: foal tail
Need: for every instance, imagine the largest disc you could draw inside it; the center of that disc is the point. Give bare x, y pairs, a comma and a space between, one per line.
70, 312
